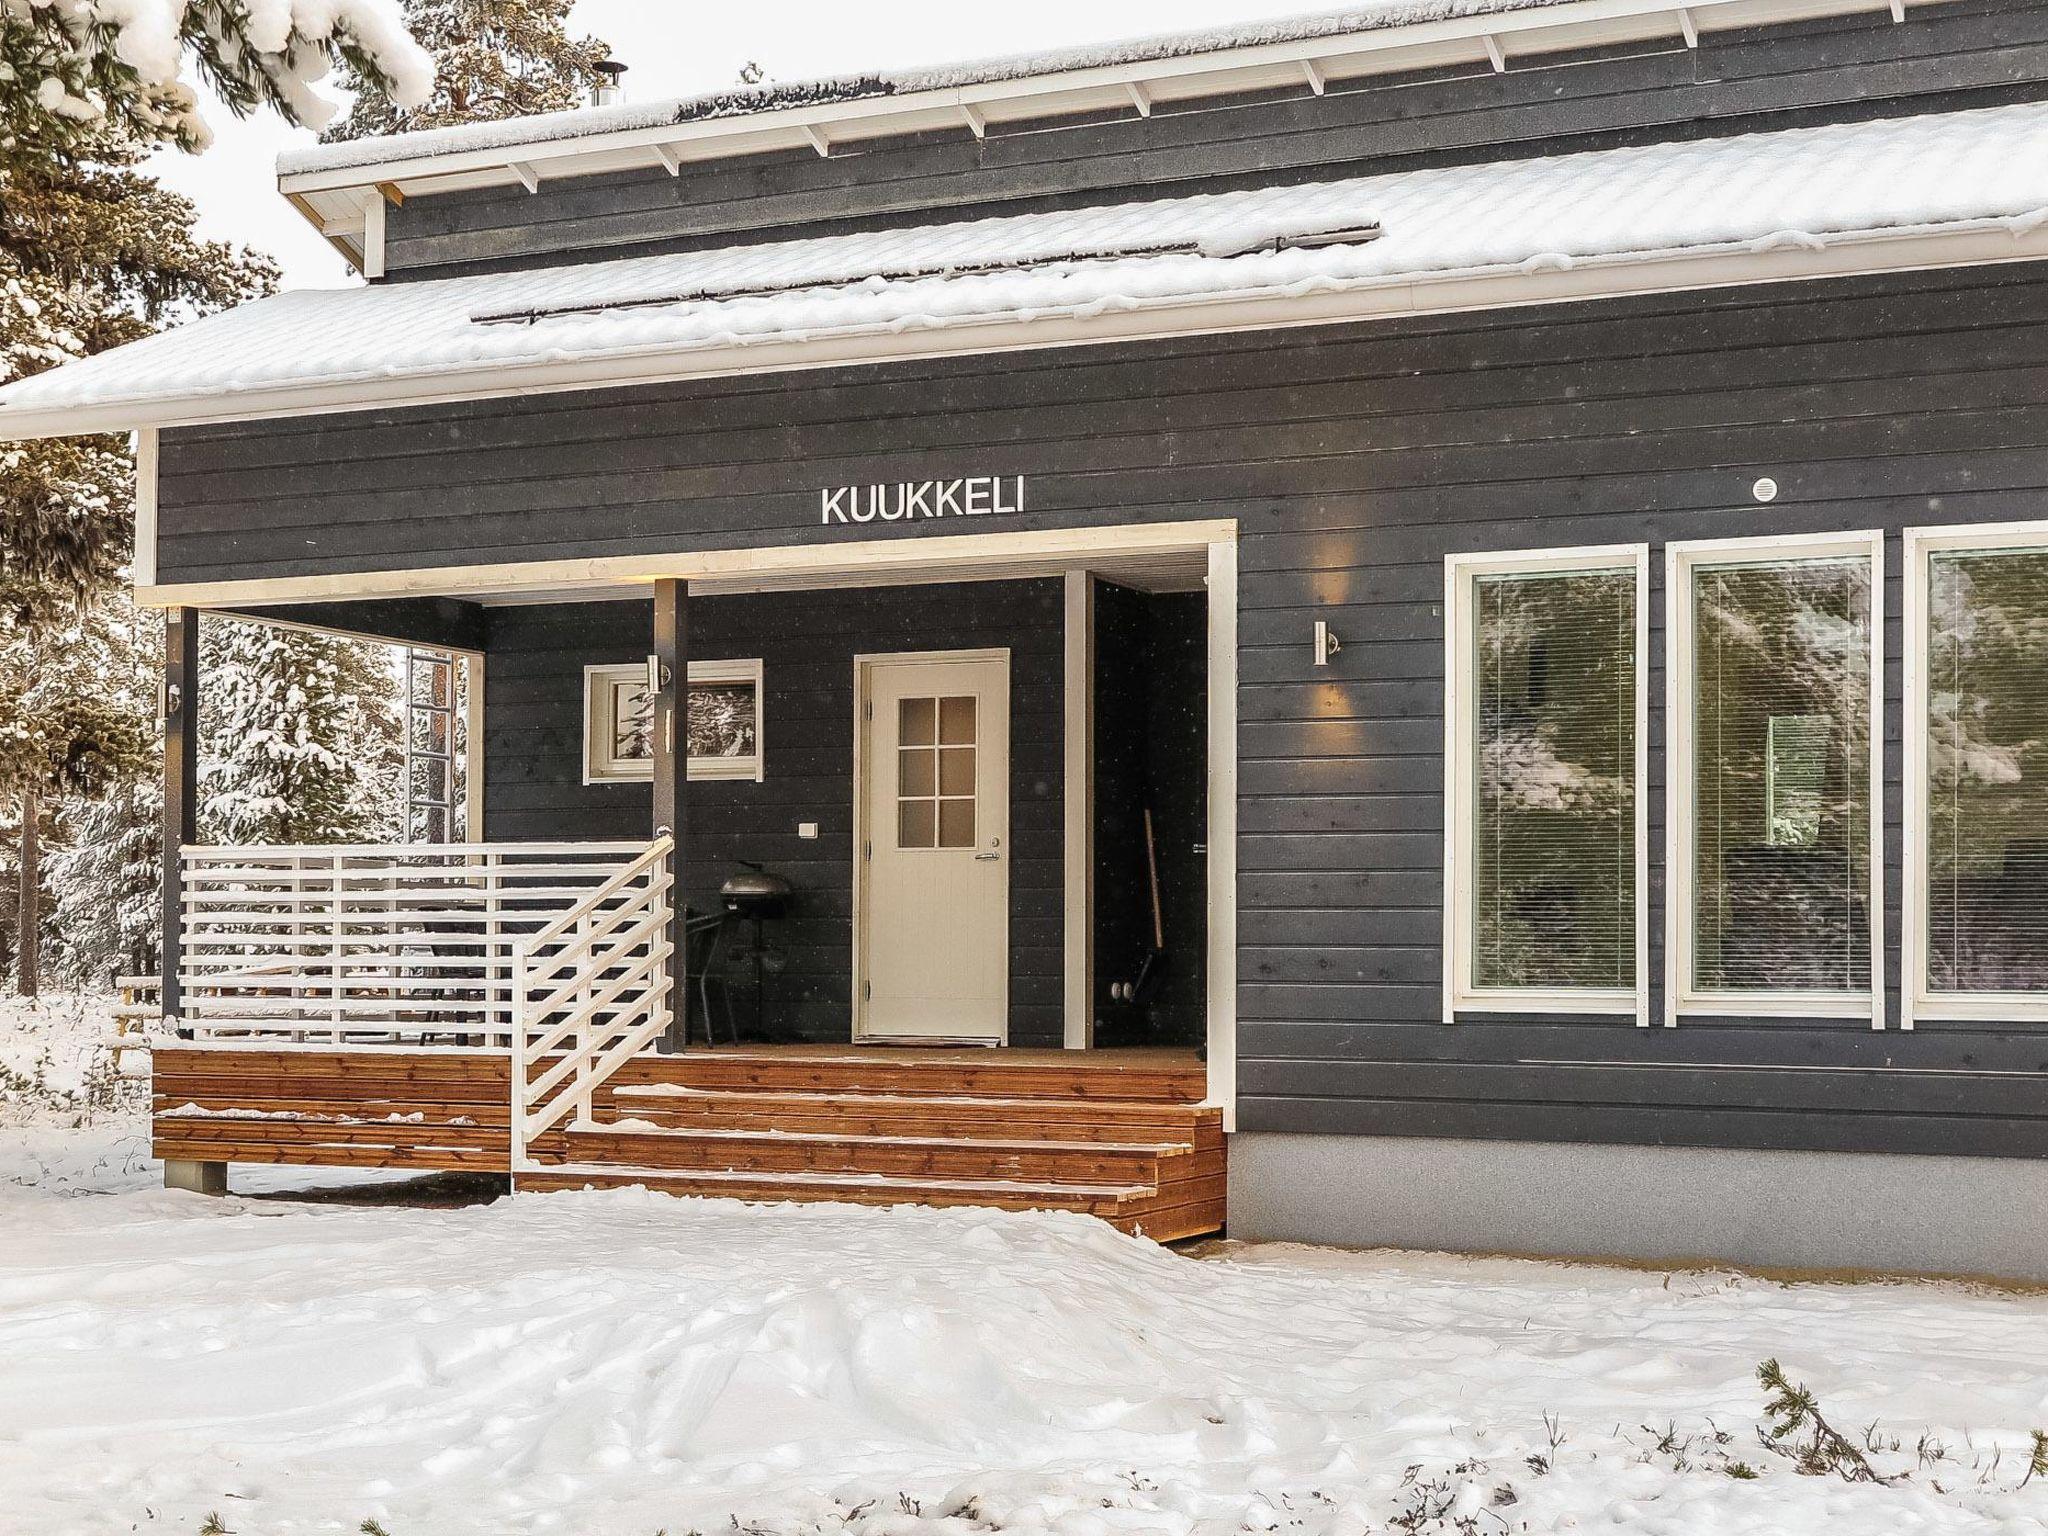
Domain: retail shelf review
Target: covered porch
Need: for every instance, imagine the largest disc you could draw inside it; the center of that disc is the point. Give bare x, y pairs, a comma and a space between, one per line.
561, 996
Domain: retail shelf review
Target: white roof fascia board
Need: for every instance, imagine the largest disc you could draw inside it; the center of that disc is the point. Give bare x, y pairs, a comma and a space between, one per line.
1656, 18
1977, 243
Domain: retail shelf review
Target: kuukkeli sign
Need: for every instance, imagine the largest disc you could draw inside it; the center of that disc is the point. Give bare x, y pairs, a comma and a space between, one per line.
905, 501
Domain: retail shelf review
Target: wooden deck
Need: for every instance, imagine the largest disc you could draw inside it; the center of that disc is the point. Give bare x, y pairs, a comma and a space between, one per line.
1118, 1134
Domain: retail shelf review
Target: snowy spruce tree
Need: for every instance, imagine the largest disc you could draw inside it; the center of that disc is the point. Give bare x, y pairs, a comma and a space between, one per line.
493, 59
67, 729
93, 254
299, 737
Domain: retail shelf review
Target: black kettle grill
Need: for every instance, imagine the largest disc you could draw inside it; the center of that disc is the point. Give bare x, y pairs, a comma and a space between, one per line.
753, 895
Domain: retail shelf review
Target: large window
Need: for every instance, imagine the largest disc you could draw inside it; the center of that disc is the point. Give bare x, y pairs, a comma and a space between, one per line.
1977, 774
1544, 747
1774, 679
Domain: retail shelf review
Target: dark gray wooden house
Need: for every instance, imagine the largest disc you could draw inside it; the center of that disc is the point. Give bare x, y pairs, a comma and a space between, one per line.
1441, 613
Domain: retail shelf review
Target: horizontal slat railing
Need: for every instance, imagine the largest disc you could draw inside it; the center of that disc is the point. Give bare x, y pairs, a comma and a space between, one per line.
380, 942
590, 989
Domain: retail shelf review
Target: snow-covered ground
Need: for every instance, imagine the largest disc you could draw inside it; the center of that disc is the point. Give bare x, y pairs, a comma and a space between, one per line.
620, 1364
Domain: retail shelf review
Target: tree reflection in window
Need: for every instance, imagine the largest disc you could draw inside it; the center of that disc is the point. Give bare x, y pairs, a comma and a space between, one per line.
1781, 775
1554, 859
1987, 771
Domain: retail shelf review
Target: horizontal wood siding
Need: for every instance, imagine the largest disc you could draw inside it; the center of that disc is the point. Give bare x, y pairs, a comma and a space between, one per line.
1740, 81
1354, 460
533, 770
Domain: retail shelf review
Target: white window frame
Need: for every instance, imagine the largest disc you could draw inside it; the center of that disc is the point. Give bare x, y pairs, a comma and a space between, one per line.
1680, 562
1460, 576
600, 767
1916, 1000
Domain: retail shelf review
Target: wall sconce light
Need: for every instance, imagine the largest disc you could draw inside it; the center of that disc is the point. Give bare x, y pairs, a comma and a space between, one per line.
1326, 644
169, 699
657, 674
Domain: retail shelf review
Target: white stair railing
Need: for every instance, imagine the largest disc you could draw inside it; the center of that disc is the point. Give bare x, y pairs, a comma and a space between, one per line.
371, 943
590, 991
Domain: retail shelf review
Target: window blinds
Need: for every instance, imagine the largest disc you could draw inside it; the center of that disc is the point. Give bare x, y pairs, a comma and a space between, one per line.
1781, 776
1987, 771
1554, 858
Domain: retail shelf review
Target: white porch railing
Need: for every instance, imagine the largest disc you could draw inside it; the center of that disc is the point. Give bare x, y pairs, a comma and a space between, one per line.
590, 990
366, 943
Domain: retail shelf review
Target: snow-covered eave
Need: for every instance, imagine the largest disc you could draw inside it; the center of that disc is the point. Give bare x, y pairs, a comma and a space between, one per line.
334, 197
1785, 257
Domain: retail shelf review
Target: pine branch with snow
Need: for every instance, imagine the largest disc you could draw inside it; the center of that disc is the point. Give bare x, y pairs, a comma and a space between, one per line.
73, 68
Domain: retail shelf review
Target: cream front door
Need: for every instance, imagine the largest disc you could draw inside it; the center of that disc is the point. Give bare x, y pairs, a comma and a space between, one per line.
934, 849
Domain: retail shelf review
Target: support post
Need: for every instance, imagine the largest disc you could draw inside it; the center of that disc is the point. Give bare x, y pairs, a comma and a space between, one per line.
671, 772
199, 1178
181, 786
1078, 814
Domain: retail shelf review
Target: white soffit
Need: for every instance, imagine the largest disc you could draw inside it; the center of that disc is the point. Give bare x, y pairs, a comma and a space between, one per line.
328, 183
1949, 189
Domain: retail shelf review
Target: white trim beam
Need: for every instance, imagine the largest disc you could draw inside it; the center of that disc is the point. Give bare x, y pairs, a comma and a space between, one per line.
1139, 98
1220, 960
671, 159
1318, 82
529, 178
1688, 28
790, 567
977, 124
1496, 55
143, 566
373, 235
819, 140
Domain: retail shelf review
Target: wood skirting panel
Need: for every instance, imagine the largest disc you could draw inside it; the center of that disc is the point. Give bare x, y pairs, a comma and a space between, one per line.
1121, 1135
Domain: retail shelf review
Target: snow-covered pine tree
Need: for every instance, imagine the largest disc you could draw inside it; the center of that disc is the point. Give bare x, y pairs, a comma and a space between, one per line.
105, 913
104, 873
493, 59
74, 70
66, 728
92, 254
299, 737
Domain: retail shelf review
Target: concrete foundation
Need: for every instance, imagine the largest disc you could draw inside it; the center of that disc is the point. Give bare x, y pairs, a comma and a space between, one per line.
1790, 1210
199, 1178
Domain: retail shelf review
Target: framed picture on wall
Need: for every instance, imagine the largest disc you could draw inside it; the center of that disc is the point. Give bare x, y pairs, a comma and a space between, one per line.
722, 714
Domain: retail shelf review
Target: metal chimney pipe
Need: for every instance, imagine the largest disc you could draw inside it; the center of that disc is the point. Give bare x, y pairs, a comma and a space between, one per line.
610, 85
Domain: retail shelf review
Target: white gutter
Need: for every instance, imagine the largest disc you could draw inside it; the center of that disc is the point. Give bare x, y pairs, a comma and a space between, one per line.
1783, 258
1497, 37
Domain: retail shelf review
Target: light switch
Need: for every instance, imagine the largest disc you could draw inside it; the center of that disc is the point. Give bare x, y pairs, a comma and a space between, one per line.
807, 830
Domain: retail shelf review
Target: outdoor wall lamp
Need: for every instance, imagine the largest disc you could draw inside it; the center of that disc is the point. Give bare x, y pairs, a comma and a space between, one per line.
657, 674
1326, 644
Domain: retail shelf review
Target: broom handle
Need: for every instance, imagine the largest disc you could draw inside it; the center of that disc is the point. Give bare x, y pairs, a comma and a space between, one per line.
1152, 868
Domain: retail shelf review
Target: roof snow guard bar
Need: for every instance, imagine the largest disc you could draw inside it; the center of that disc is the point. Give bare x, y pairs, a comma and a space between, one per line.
1221, 247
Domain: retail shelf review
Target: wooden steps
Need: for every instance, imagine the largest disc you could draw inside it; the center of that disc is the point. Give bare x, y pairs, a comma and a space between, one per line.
1119, 1135
1123, 1138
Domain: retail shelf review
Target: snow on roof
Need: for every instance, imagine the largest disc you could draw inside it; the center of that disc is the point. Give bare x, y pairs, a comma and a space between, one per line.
630, 116
1036, 278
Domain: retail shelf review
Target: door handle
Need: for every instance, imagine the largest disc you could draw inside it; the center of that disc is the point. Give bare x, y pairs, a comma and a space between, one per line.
982, 858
